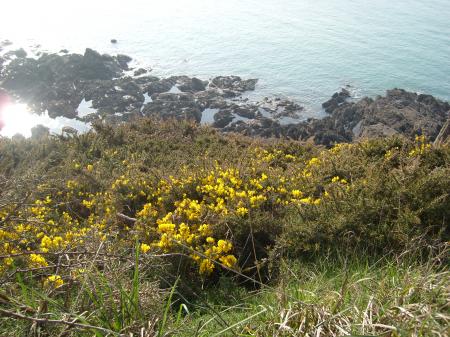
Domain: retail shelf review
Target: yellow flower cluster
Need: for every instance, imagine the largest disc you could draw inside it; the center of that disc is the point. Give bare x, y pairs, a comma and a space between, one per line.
421, 146
54, 281
186, 214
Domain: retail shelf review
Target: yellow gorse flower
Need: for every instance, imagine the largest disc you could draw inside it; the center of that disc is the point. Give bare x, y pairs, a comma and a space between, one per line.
54, 281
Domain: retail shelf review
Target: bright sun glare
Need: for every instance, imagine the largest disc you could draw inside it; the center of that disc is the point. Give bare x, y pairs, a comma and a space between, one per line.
17, 119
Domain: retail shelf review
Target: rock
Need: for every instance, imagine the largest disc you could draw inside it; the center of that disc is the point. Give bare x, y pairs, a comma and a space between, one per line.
123, 61
113, 41
95, 66
187, 84
234, 83
222, 118
21, 75
60, 108
337, 99
19, 53
157, 87
145, 80
119, 95
56, 82
211, 98
376, 131
280, 108
246, 111
140, 71
174, 105
6, 43
399, 112
64, 51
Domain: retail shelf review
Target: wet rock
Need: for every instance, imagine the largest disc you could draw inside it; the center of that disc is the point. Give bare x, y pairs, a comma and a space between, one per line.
280, 108
123, 61
21, 75
145, 80
60, 108
233, 83
95, 66
160, 86
246, 111
58, 83
223, 118
6, 43
337, 99
173, 105
19, 53
119, 95
263, 127
399, 112
52, 80
140, 71
211, 98
188, 84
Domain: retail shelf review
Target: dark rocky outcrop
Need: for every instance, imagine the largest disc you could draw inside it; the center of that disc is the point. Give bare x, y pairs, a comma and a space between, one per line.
223, 118
140, 71
173, 105
233, 83
158, 86
398, 113
19, 53
58, 83
123, 61
337, 99
188, 84
118, 95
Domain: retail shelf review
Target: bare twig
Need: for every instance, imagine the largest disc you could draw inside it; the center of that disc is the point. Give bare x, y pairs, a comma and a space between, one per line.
73, 323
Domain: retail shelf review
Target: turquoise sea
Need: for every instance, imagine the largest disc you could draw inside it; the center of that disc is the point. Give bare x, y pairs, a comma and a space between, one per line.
304, 49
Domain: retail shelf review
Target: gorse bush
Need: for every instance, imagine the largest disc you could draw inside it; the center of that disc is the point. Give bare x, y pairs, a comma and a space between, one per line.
120, 188
202, 203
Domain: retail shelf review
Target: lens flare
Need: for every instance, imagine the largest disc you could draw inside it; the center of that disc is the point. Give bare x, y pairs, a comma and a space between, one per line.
17, 119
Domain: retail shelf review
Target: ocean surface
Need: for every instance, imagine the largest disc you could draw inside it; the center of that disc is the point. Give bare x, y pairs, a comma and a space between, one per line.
303, 49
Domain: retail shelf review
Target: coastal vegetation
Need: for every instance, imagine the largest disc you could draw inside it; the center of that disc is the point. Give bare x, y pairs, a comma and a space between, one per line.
170, 228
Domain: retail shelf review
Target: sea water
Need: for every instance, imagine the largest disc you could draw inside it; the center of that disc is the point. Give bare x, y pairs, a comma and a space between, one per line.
303, 49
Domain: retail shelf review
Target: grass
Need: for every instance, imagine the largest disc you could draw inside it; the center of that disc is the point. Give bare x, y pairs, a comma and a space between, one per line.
331, 298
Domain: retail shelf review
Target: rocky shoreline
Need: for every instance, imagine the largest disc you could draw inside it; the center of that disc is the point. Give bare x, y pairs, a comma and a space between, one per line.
62, 83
